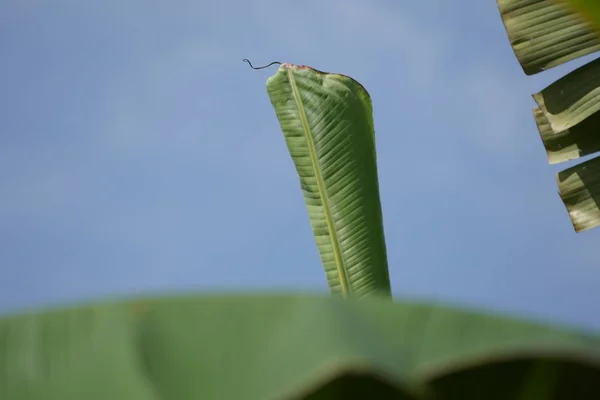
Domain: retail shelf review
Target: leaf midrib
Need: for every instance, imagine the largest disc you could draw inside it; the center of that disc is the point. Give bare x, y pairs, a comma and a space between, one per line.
337, 253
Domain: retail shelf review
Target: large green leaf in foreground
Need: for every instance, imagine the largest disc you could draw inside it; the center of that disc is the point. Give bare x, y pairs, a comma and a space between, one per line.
328, 127
289, 347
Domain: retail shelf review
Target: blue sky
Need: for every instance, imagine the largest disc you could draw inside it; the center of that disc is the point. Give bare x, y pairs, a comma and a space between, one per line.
138, 154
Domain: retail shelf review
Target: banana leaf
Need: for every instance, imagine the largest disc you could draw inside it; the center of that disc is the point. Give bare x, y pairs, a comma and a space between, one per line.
327, 122
573, 98
544, 34
579, 188
289, 347
572, 143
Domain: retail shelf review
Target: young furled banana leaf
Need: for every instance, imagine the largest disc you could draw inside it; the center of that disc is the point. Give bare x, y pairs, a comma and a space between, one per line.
327, 123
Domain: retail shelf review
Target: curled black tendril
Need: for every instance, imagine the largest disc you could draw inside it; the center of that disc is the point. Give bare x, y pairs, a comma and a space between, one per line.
264, 66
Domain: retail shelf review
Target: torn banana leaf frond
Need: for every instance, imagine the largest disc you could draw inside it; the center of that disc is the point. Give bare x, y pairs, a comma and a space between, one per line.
579, 189
546, 33
572, 98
